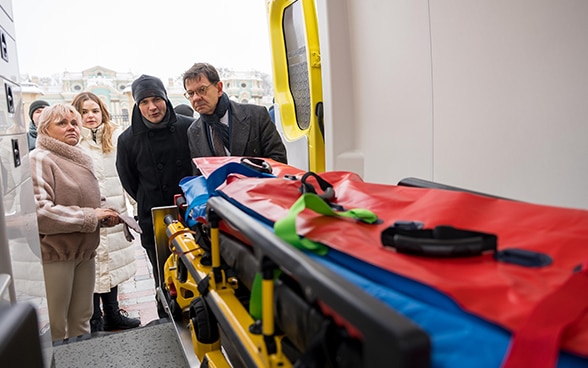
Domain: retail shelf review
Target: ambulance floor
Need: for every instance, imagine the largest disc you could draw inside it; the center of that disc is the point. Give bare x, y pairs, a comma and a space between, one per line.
154, 345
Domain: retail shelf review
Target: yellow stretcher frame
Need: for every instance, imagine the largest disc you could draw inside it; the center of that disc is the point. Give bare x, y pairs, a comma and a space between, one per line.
259, 350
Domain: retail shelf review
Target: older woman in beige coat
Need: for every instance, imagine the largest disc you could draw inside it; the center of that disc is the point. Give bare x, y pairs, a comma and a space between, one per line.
115, 259
69, 215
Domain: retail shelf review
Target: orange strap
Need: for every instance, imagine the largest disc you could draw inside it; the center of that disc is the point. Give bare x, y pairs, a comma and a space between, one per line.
176, 234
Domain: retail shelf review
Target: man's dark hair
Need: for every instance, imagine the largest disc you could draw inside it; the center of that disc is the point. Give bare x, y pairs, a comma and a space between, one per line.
199, 69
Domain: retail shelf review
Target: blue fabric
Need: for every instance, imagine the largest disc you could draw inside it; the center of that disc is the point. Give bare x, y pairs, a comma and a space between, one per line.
196, 193
218, 176
458, 338
197, 189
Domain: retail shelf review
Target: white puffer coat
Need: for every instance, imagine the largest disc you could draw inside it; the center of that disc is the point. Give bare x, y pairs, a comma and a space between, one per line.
115, 256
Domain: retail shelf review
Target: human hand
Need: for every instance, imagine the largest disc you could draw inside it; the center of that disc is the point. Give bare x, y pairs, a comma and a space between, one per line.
107, 217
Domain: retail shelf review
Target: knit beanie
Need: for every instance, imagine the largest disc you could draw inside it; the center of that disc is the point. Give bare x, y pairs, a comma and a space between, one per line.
184, 109
147, 86
36, 105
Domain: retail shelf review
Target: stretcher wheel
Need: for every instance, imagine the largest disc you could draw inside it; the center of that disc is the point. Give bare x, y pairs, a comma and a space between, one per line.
203, 322
175, 309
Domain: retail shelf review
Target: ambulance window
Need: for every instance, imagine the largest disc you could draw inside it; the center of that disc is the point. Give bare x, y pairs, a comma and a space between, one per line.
295, 36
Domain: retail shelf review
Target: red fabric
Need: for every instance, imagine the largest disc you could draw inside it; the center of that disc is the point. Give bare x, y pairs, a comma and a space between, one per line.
206, 165
542, 331
505, 294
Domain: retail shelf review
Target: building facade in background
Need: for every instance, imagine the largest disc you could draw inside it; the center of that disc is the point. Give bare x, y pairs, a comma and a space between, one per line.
114, 88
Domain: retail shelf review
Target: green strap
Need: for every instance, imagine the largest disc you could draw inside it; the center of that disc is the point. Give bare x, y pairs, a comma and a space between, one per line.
286, 230
255, 296
286, 227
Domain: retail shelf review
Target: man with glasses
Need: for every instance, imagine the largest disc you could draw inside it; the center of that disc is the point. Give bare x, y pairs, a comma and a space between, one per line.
152, 157
225, 127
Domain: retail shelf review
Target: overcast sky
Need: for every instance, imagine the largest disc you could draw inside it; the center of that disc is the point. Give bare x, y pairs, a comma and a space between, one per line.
161, 38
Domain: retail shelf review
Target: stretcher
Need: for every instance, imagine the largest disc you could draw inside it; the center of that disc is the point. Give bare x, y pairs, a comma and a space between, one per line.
211, 282
254, 297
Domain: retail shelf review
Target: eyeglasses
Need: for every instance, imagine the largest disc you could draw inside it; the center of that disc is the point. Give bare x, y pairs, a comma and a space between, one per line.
200, 91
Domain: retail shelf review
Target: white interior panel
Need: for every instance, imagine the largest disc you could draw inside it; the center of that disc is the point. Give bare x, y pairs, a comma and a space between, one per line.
488, 95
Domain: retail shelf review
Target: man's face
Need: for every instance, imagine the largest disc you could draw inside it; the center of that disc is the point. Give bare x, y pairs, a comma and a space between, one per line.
153, 109
36, 115
204, 95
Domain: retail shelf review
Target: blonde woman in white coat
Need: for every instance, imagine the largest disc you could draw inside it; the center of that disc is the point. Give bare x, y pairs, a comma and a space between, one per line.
115, 256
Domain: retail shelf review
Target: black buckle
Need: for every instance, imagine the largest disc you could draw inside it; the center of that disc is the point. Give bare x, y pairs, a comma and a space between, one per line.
442, 241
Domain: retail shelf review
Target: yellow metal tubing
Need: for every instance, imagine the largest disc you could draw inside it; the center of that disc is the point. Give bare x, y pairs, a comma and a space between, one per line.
240, 320
267, 306
215, 247
225, 300
216, 359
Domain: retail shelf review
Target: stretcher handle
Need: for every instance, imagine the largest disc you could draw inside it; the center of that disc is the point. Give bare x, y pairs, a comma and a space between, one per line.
327, 188
442, 241
169, 219
257, 164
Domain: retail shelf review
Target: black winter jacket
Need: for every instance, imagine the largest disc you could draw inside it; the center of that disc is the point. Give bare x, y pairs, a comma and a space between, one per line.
150, 164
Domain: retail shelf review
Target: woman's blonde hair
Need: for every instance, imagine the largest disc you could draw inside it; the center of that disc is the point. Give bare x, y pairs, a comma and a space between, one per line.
109, 128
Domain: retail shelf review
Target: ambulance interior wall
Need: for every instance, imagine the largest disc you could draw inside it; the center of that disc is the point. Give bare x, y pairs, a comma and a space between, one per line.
488, 95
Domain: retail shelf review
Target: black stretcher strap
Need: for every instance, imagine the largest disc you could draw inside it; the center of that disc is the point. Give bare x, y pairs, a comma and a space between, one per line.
445, 241
442, 241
